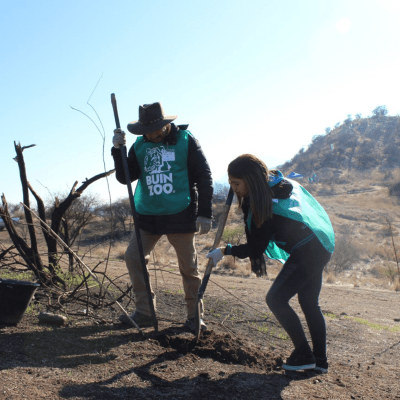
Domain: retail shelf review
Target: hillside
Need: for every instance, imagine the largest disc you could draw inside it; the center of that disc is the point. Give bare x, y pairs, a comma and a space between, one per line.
356, 145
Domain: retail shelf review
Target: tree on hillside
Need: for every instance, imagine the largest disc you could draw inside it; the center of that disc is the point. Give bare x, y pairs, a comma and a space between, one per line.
358, 116
380, 111
327, 130
348, 120
337, 125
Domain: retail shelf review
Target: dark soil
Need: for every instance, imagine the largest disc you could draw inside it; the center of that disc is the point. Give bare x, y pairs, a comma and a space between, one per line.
240, 356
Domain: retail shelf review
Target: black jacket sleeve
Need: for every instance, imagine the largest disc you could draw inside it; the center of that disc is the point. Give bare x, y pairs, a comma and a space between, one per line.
287, 233
200, 176
133, 165
257, 241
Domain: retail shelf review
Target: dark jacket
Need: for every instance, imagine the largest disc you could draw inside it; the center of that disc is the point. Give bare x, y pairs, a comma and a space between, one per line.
287, 233
200, 183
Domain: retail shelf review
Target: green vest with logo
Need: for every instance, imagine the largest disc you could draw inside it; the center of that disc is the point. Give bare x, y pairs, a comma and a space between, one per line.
301, 206
163, 185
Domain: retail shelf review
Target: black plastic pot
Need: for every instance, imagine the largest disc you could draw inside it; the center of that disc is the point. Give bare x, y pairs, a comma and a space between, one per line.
15, 297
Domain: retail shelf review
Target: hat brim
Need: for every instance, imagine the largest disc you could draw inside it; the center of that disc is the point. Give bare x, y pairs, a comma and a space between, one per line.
137, 128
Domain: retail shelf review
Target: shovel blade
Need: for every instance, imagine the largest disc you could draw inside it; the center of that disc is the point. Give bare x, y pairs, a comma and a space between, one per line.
197, 317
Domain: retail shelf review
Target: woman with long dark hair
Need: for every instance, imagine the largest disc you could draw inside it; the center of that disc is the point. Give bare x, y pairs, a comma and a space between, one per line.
286, 223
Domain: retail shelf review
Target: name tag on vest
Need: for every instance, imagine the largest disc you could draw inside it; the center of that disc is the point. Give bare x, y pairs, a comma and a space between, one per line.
168, 155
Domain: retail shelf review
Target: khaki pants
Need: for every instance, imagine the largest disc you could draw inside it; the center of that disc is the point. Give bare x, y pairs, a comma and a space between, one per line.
184, 246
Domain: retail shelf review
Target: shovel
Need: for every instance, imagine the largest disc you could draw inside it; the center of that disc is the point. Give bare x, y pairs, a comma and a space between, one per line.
135, 218
210, 264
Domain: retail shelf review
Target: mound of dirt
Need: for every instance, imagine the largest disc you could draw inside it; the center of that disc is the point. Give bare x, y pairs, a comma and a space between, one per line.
223, 348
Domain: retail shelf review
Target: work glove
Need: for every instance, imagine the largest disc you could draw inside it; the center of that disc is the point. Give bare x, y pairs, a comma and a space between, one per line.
119, 138
216, 255
203, 225
258, 266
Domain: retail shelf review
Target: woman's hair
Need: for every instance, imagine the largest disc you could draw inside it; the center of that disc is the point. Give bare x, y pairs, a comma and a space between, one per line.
255, 173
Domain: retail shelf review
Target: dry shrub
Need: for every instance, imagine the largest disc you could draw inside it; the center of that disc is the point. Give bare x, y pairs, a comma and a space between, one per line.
355, 281
233, 234
380, 250
238, 211
117, 250
378, 271
387, 271
347, 251
330, 278
230, 265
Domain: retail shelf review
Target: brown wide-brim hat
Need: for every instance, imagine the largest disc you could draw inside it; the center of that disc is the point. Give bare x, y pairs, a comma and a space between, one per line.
151, 119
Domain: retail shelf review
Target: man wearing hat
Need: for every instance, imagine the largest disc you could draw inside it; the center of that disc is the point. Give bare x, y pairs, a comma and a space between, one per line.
173, 197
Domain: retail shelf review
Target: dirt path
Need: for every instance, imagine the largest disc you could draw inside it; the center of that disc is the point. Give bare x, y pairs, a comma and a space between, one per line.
239, 358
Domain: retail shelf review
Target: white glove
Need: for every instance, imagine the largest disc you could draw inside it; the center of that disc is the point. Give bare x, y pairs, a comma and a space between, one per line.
119, 138
216, 255
203, 225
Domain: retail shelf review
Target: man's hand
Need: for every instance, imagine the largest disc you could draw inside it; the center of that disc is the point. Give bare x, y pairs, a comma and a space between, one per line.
119, 138
203, 225
216, 255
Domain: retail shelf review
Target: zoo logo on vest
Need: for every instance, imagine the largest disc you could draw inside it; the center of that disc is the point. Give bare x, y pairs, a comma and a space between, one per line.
156, 165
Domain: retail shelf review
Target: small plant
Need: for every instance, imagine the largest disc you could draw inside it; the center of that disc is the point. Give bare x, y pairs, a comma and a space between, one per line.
73, 279
330, 315
283, 336
263, 329
18, 276
234, 234
31, 309
375, 326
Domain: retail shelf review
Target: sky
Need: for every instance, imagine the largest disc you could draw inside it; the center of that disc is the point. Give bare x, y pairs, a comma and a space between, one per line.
259, 77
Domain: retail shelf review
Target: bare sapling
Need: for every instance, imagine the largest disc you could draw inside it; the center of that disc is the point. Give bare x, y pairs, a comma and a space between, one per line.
46, 273
390, 225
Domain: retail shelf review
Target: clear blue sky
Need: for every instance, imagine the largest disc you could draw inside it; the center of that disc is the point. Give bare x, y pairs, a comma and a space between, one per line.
259, 77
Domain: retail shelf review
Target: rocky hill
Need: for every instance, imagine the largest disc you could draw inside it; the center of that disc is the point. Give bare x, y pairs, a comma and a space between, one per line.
356, 145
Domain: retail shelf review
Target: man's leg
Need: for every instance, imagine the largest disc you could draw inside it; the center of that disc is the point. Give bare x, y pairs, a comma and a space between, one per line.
132, 259
184, 246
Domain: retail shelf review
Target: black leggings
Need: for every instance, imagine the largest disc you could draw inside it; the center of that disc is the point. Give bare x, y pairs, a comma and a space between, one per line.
302, 275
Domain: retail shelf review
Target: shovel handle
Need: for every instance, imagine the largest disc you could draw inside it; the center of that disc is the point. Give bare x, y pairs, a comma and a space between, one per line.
115, 109
218, 236
210, 264
135, 218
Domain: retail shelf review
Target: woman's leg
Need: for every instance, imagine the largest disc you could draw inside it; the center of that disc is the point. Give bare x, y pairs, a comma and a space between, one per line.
289, 281
308, 297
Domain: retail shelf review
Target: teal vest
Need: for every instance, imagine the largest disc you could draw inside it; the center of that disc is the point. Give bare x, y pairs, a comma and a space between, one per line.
302, 207
163, 185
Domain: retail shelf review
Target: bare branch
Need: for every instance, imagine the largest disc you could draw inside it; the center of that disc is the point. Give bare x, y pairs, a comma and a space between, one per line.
112, 298
27, 147
94, 179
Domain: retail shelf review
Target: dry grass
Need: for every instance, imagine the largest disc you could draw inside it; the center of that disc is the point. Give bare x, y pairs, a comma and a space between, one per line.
358, 219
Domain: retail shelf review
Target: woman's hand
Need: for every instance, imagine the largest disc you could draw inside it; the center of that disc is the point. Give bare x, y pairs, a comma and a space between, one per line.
216, 255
